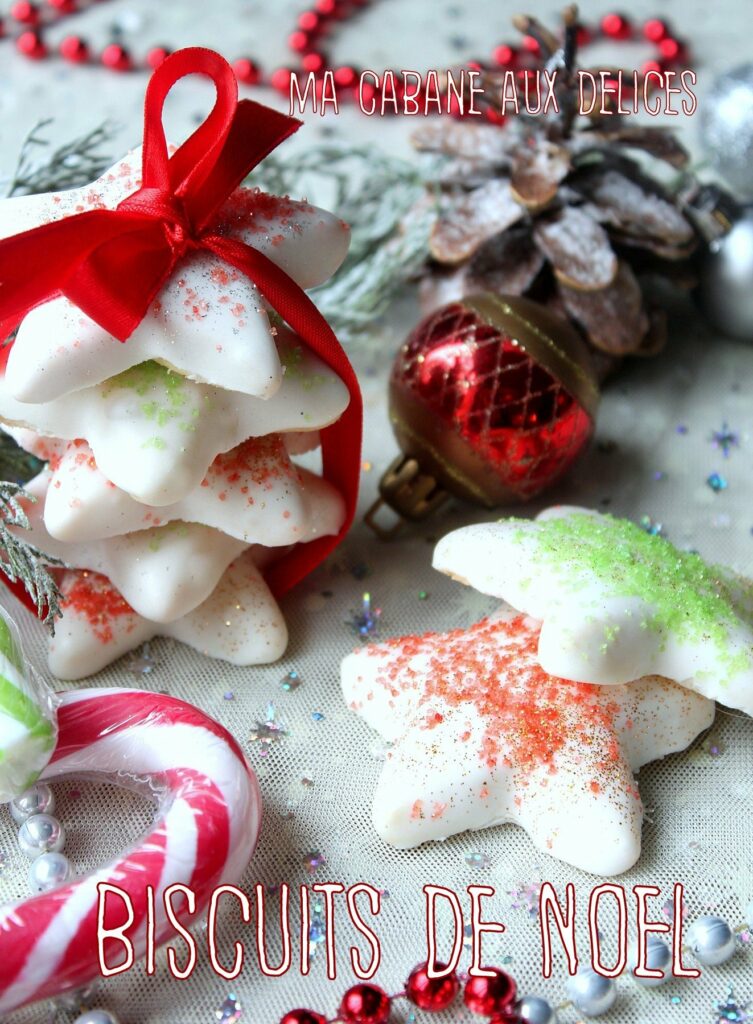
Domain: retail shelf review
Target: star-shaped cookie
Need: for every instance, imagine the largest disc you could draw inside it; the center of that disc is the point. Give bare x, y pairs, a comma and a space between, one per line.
254, 493
615, 602
154, 433
481, 735
209, 321
239, 622
166, 571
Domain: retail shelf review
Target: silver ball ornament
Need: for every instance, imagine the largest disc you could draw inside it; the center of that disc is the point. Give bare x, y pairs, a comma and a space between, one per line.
41, 833
726, 279
726, 122
658, 958
535, 1010
96, 1017
590, 993
49, 871
38, 799
712, 940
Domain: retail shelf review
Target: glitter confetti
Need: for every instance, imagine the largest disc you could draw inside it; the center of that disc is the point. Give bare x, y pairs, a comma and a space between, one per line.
423, 595
313, 861
659, 475
725, 440
317, 926
652, 526
525, 896
231, 1010
682, 429
365, 621
142, 664
717, 482
478, 860
291, 681
228, 695
269, 731
713, 746
317, 716
731, 1010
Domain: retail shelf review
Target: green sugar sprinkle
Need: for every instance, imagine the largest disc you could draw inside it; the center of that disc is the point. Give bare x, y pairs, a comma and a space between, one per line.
165, 397
690, 598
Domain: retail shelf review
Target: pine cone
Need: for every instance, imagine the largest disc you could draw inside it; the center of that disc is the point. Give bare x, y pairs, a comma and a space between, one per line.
556, 208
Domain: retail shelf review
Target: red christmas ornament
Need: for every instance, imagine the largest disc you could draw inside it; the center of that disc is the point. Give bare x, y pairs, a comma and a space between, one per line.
303, 1017
156, 56
63, 6
280, 79
74, 49
25, 12
491, 399
30, 44
116, 57
616, 26
365, 1004
655, 30
247, 71
431, 994
491, 997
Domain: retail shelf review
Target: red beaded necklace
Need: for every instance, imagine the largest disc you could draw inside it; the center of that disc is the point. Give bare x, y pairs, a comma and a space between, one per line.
28, 20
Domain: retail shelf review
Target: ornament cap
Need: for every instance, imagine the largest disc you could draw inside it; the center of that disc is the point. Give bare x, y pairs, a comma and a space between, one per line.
410, 492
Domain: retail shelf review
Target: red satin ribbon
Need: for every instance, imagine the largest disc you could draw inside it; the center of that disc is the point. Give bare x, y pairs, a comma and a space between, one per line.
112, 263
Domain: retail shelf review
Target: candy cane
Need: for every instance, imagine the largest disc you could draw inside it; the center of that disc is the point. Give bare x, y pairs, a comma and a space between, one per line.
204, 835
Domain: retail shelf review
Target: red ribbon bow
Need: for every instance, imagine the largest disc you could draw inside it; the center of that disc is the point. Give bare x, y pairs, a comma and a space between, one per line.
113, 263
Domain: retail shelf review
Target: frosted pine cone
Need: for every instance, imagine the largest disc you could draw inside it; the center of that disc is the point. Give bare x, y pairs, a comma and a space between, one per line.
557, 208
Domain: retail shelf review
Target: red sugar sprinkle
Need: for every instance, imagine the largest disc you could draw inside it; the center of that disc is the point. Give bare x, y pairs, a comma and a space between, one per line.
493, 666
95, 598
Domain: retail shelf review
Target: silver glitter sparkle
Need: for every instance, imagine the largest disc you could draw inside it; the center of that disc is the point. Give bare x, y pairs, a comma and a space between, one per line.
270, 730
313, 860
478, 860
142, 664
365, 621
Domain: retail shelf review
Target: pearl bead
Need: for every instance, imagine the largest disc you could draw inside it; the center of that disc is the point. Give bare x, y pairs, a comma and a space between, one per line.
39, 799
49, 871
658, 958
711, 940
96, 1017
41, 833
591, 993
535, 1010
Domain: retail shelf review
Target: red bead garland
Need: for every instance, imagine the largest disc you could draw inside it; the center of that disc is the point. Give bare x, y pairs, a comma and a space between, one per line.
365, 1004
303, 1017
431, 994
306, 42
491, 996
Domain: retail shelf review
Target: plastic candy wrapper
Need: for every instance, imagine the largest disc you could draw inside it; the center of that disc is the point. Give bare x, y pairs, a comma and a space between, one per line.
203, 836
27, 716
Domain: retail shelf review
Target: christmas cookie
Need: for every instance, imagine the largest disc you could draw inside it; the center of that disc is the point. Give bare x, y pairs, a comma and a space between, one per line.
164, 572
154, 433
481, 735
208, 322
239, 622
253, 493
615, 602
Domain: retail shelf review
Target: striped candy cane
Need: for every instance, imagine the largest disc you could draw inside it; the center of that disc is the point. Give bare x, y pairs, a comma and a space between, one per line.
203, 836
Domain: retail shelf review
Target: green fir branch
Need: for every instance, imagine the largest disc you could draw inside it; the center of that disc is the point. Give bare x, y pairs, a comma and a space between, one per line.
22, 561
72, 165
390, 212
